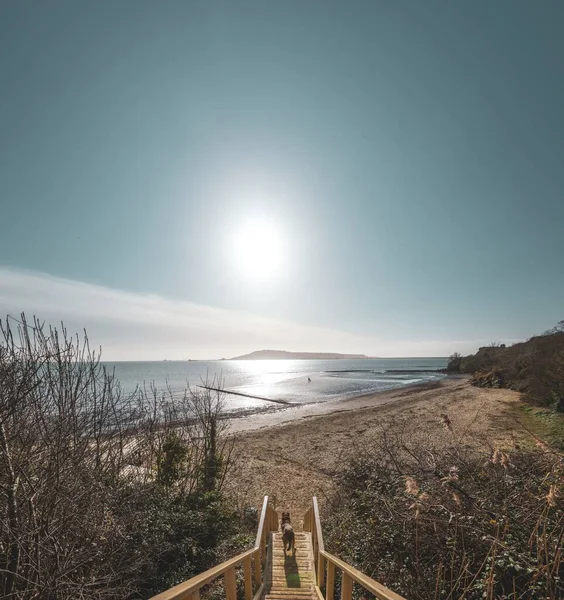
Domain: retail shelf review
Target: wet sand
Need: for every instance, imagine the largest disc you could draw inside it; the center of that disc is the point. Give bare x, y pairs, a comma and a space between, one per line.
279, 416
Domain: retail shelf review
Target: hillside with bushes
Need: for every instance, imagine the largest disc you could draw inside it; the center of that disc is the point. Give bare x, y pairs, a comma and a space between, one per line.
462, 514
534, 367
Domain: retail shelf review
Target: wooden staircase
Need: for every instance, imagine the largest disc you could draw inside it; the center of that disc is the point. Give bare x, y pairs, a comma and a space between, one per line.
290, 575
271, 574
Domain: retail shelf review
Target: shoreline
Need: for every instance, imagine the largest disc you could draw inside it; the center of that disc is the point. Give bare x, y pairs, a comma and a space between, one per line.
275, 417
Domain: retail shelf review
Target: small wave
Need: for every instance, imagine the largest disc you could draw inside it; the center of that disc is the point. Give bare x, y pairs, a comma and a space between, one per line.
411, 371
354, 371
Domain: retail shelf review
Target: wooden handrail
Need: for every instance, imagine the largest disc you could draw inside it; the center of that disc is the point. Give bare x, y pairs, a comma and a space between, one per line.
312, 523
380, 591
319, 546
190, 589
318, 532
187, 588
260, 529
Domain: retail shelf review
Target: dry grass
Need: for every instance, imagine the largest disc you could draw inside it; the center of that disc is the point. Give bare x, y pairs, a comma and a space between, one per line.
433, 516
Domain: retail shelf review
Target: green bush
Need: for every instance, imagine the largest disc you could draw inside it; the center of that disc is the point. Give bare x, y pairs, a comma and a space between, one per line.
177, 536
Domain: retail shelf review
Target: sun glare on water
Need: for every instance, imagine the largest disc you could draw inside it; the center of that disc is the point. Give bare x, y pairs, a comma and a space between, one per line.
258, 250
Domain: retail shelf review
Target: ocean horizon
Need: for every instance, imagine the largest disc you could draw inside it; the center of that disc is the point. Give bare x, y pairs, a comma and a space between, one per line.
296, 382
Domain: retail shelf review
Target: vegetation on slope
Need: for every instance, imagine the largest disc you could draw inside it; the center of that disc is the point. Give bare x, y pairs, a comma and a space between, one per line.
460, 517
441, 518
534, 367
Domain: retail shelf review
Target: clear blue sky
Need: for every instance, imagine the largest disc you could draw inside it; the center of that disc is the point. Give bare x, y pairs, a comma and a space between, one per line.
410, 156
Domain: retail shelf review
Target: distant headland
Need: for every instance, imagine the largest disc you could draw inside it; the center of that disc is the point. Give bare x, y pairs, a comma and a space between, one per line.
282, 354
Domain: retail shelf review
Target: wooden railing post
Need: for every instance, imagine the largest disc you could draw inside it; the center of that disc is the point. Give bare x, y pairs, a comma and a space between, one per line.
230, 584
196, 595
330, 589
315, 556
248, 572
346, 587
318, 546
258, 568
320, 570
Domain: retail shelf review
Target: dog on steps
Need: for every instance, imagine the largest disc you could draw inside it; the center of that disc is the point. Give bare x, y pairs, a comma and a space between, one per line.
288, 537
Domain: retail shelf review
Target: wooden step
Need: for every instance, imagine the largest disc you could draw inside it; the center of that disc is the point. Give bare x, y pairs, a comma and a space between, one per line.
300, 594
279, 595
291, 580
290, 568
290, 593
289, 558
280, 571
298, 597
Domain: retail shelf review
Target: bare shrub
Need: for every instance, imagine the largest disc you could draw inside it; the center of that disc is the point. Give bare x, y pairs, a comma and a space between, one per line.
454, 362
102, 494
451, 519
558, 328
183, 437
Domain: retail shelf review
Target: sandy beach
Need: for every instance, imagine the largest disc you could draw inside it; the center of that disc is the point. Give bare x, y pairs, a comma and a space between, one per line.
292, 454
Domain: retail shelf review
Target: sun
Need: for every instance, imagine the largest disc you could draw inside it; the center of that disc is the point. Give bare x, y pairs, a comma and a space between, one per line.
258, 249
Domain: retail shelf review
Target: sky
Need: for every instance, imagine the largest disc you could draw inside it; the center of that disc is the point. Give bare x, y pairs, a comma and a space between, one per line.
203, 179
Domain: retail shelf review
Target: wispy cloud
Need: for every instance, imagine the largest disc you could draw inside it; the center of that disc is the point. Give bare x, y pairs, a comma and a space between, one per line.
132, 326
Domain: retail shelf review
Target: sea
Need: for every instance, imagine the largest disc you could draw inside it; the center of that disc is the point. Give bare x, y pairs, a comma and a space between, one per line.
257, 384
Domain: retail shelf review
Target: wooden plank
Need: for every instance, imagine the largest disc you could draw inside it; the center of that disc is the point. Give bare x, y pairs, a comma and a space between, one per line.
248, 572
380, 591
259, 593
320, 570
318, 532
195, 595
261, 522
318, 593
346, 587
263, 550
258, 568
330, 589
230, 584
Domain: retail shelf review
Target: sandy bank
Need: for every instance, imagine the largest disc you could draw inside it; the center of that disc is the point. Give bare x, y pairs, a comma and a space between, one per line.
293, 453
275, 416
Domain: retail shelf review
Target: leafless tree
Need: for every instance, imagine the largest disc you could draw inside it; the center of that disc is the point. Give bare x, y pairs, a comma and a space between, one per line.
70, 443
